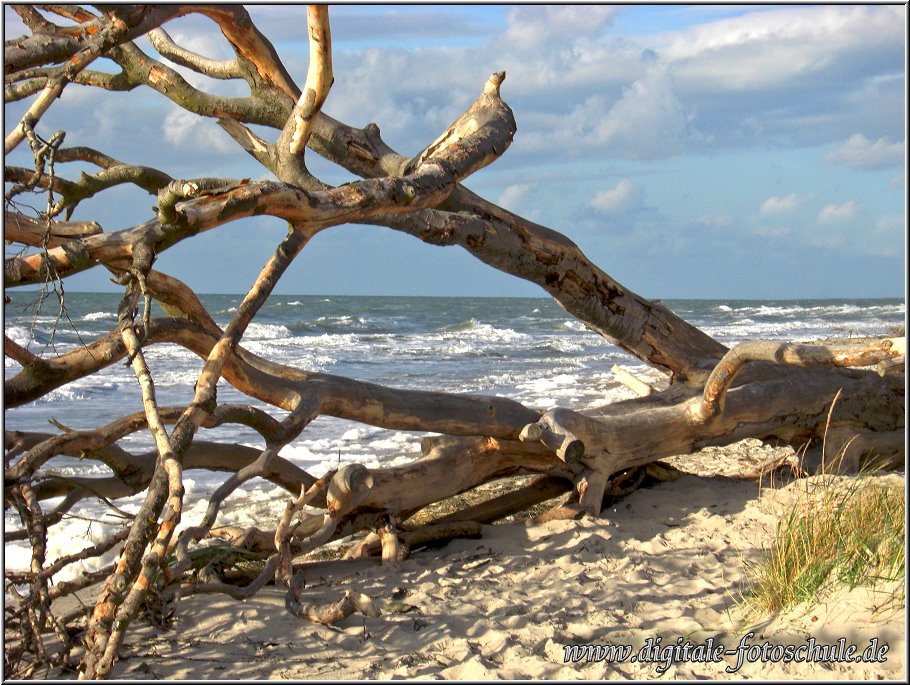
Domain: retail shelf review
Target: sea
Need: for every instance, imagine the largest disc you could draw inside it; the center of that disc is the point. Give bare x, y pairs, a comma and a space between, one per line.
528, 349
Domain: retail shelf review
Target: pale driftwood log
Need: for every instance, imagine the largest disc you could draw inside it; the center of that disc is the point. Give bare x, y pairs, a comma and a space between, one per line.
836, 353
894, 366
370, 545
408, 539
636, 385
556, 437
332, 613
392, 549
591, 487
251, 538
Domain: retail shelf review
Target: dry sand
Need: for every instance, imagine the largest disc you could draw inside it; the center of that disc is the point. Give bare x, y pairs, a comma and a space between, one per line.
666, 562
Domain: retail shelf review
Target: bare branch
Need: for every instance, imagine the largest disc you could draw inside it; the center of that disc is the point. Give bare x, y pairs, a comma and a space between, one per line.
22, 229
431, 182
61, 44
166, 47
237, 26
318, 81
14, 350
111, 33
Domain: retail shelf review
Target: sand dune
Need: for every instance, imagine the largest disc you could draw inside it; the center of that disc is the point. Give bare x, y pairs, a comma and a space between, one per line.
667, 564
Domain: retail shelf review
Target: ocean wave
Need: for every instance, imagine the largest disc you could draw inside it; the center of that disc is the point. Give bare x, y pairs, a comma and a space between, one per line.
528, 352
165, 376
298, 453
769, 310
560, 345
170, 352
96, 316
19, 334
570, 325
468, 325
546, 388
84, 467
37, 320
297, 352
474, 329
827, 309
334, 340
342, 320
266, 331
461, 349
67, 392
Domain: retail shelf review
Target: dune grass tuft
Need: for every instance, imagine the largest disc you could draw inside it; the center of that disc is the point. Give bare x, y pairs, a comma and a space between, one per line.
840, 532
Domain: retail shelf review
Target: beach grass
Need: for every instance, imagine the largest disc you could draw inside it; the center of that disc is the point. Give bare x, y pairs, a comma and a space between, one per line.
841, 531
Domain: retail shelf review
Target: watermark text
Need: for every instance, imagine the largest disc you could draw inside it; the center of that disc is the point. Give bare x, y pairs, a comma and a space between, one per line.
748, 651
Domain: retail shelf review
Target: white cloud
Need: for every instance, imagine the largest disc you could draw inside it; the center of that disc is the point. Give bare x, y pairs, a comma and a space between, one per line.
576, 85
189, 131
828, 242
649, 116
780, 205
530, 26
890, 236
555, 53
858, 151
623, 196
891, 224
512, 196
208, 44
716, 221
647, 121
773, 232
835, 213
761, 49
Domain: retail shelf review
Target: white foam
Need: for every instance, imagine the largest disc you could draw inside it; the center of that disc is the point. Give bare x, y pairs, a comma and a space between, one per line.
66, 392
354, 435
19, 334
563, 345
96, 316
556, 384
266, 331
299, 453
574, 325
460, 348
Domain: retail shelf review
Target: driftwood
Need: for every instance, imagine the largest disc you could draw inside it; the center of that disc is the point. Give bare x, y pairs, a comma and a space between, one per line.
847, 395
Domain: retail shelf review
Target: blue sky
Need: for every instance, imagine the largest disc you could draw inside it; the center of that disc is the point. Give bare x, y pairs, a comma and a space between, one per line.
691, 151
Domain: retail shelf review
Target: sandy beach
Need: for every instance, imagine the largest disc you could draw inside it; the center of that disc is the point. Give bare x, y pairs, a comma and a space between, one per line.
663, 568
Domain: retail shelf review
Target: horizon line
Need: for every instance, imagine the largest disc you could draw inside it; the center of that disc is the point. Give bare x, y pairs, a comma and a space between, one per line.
501, 297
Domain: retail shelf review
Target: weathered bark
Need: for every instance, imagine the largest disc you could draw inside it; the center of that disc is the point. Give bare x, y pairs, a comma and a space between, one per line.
793, 394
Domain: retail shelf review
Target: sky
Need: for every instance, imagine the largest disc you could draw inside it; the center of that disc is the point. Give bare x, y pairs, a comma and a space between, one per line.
703, 151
